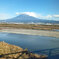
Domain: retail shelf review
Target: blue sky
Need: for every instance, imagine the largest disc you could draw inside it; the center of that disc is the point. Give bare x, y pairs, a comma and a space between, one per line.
43, 9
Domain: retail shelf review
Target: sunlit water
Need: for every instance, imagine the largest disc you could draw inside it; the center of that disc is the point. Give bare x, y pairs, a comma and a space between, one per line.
32, 42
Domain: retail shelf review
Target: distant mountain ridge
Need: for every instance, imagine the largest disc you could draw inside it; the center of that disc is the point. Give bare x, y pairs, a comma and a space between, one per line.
28, 19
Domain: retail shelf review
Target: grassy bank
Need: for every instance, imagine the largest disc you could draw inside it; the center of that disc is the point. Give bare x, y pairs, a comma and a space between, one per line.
8, 51
30, 26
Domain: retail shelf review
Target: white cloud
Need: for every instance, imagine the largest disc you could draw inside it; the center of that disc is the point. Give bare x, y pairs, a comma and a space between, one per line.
48, 17
56, 16
35, 15
29, 13
4, 16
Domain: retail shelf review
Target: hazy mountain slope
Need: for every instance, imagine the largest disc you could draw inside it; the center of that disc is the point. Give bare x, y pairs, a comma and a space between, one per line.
26, 18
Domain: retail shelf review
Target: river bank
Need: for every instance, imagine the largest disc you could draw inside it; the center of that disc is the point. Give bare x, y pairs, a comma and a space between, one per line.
8, 51
32, 32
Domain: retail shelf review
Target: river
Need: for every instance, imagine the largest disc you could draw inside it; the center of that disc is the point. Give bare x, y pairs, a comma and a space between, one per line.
32, 42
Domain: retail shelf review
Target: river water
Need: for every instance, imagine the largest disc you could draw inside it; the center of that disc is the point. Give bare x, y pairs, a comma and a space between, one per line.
32, 42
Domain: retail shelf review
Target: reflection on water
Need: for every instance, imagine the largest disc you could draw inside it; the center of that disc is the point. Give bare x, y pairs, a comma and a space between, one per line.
30, 41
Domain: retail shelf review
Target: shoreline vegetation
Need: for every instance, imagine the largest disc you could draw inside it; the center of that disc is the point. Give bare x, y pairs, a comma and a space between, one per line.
31, 29
8, 51
29, 26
